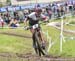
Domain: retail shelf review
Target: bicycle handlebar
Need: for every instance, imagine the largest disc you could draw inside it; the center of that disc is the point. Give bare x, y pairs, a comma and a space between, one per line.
34, 26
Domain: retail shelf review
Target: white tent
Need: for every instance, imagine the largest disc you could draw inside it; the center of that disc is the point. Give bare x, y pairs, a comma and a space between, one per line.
20, 2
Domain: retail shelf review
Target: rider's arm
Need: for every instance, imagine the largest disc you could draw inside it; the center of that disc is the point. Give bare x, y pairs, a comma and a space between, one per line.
26, 21
45, 18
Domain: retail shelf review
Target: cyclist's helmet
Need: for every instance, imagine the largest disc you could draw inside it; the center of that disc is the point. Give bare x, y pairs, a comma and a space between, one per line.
38, 10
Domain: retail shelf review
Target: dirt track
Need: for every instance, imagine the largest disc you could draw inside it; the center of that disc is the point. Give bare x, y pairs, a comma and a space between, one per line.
31, 57
14, 34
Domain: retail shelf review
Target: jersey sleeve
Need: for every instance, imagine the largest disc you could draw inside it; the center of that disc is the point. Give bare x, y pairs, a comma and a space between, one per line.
43, 16
28, 17
31, 15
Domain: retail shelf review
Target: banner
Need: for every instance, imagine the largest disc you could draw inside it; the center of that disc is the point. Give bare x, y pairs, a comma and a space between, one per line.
9, 8
3, 9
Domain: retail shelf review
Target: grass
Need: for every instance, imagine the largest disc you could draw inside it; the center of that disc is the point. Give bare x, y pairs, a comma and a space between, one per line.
69, 27
14, 44
67, 20
68, 46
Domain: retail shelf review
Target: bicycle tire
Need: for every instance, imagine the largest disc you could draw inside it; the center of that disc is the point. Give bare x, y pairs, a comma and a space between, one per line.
40, 50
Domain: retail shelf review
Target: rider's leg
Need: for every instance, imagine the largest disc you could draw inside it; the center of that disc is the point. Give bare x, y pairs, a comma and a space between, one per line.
41, 36
34, 41
42, 39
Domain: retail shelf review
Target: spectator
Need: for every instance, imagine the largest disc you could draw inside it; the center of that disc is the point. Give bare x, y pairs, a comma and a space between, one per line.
7, 18
14, 23
1, 21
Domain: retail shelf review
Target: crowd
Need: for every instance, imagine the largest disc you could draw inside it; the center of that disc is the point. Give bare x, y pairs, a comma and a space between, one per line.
53, 10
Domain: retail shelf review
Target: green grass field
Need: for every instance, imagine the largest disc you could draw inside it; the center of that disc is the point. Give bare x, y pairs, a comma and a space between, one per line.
15, 44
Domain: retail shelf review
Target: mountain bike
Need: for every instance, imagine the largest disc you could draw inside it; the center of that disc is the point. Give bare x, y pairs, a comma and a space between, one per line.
39, 49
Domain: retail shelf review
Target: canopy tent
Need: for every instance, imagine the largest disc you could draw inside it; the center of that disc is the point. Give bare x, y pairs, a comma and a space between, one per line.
25, 2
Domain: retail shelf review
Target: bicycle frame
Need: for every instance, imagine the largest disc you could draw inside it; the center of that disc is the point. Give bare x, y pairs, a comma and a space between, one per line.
37, 40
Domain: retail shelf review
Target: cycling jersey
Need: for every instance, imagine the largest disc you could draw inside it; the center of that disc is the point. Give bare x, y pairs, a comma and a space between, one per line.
34, 18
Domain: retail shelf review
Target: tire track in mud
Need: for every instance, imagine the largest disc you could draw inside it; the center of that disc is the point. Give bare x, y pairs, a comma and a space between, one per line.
31, 57
18, 35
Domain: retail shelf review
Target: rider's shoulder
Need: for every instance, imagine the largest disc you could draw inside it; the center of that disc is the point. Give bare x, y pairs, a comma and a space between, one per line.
32, 13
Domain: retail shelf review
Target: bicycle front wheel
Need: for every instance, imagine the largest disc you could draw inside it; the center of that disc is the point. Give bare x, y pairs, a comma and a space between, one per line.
38, 43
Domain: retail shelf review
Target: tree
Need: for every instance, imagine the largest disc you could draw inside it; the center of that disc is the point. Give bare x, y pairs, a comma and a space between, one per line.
8, 2
1, 5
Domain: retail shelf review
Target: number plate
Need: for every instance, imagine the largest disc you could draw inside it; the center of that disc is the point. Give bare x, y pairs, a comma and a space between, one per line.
35, 26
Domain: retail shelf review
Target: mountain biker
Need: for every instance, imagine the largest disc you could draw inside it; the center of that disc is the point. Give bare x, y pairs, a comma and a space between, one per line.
34, 18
